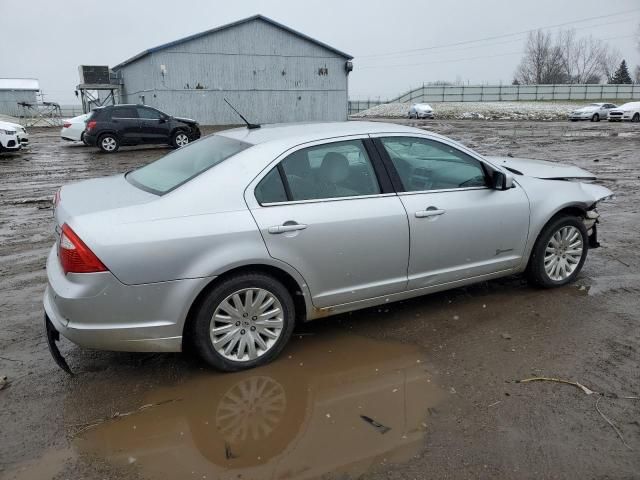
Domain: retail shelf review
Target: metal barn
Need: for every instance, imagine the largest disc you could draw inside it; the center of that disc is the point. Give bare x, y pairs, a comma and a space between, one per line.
270, 72
17, 90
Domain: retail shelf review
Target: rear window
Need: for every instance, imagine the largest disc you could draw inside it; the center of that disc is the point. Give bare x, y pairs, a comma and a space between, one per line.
183, 164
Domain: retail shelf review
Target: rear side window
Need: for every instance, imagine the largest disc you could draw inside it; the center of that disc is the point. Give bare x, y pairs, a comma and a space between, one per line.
424, 164
333, 170
124, 112
183, 164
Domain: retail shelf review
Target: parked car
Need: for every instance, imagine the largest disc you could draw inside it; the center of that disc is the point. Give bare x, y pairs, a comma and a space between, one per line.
421, 110
227, 243
73, 128
9, 138
594, 112
629, 112
110, 127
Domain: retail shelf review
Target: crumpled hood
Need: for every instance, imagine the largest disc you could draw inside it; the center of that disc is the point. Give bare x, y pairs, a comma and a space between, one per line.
185, 120
541, 168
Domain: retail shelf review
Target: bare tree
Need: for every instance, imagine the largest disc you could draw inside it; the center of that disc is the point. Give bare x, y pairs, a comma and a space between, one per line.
542, 61
609, 61
582, 58
565, 59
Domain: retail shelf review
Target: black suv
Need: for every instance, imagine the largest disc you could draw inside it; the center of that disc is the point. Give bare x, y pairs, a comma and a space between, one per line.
110, 127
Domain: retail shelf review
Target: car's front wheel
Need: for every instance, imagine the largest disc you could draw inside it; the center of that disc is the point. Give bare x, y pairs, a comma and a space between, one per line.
636, 118
559, 253
109, 143
179, 139
244, 322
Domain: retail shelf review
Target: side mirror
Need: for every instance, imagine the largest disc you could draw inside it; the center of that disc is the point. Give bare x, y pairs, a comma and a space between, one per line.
163, 119
502, 180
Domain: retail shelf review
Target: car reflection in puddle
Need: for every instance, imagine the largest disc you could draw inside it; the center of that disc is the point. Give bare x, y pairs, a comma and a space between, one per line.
335, 402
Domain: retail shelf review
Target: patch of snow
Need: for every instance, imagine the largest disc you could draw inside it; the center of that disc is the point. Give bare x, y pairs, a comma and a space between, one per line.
480, 110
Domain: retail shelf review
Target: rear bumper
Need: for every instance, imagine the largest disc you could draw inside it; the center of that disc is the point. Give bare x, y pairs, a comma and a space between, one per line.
98, 311
90, 139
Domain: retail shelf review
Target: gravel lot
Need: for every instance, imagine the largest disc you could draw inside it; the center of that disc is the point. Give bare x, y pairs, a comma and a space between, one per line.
439, 371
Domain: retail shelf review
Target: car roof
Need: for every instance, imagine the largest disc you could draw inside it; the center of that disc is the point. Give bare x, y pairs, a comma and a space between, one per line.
309, 132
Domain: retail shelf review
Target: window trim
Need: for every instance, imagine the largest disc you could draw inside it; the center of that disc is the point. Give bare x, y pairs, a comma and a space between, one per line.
380, 172
395, 176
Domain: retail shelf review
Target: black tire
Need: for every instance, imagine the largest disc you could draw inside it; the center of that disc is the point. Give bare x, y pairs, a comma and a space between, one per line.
595, 118
536, 273
636, 118
83, 140
201, 333
108, 143
180, 138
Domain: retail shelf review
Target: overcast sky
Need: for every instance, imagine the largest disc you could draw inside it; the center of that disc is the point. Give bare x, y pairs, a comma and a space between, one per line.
47, 40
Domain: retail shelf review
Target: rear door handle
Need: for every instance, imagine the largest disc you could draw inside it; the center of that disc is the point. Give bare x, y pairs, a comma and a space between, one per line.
429, 212
286, 228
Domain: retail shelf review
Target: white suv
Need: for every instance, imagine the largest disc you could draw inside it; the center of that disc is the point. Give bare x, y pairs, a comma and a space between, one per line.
9, 139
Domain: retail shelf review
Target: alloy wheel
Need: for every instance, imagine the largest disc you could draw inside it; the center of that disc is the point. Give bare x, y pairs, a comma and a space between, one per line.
246, 324
182, 140
109, 144
563, 253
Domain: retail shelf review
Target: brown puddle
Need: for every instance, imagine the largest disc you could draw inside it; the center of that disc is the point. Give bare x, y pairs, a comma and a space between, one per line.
334, 403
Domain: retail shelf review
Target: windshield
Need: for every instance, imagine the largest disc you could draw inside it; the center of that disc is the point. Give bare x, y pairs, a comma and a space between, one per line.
183, 164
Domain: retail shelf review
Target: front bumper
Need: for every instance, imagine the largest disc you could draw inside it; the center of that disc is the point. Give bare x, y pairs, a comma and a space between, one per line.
97, 311
10, 143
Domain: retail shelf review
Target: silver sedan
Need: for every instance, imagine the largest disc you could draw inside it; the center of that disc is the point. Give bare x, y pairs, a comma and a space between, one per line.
228, 243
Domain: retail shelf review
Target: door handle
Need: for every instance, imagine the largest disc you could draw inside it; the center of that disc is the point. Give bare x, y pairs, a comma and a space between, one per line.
429, 212
292, 227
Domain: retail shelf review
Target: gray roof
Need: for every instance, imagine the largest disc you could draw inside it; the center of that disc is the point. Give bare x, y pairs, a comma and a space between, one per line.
230, 25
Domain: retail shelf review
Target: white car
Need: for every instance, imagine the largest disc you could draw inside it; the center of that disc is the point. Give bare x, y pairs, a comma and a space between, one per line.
629, 112
9, 139
594, 112
73, 128
421, 110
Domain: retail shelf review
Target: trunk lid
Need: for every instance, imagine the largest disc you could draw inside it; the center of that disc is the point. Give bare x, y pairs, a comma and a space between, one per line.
98, 194
541, 168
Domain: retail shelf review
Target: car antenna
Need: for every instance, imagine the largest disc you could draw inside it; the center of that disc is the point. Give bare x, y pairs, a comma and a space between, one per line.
250, 126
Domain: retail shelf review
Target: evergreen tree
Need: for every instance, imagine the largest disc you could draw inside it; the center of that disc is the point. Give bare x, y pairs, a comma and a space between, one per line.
621, 75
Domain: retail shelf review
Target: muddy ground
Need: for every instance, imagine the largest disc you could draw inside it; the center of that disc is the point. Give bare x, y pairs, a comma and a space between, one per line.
417, 389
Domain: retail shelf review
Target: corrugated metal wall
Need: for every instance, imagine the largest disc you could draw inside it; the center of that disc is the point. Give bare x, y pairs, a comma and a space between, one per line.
269, 74
9, 101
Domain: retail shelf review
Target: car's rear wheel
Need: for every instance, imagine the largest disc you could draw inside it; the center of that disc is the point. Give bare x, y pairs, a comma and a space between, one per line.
83, 140
595, 118
179, 139
636, 118
109, 143
559, 252
244, 322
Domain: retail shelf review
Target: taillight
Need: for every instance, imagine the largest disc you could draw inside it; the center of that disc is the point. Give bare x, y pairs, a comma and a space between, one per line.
91, 125
56, 198
66, 125
75, 256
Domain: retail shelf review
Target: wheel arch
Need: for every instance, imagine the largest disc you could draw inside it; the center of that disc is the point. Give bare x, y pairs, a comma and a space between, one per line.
572, 209
300, 299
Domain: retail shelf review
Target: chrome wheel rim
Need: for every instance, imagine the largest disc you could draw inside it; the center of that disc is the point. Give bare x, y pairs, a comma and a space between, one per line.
182, 140
563, 253
109, 143
251, 409
246, 324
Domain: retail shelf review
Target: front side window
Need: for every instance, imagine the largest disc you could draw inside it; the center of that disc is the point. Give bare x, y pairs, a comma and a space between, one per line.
424, 164
185, 163
148, 113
